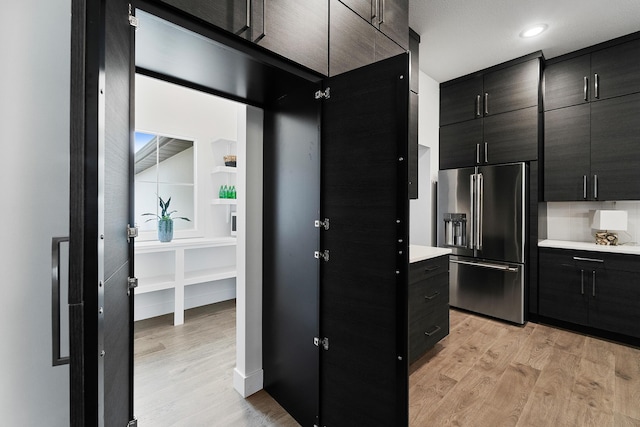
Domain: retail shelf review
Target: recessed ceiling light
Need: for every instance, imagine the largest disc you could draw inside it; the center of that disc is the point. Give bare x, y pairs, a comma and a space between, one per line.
533, 30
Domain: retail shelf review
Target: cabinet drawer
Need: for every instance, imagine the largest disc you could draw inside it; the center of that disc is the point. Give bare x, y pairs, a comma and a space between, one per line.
426, 332
429, 267
426, 295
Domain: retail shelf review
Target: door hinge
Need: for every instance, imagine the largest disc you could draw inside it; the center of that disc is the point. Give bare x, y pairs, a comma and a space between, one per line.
324, 255
324, 341
133, 21
132, 233
326, 94
325, 224
132, 283
133, 422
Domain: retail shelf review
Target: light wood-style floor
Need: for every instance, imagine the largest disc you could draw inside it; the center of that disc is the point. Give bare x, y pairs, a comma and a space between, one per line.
484, 374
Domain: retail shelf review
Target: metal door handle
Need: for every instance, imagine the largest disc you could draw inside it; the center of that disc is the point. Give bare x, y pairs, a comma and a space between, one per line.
431, 268
432, 296
486, 152
435, 330
374, 10
582, 282
56, 360
578, 258
472, 188
478, 106
597, 85
584, 186
264, 22
487, 265
477, 154
486, 103
594, 284
480, 208
381, 12
585, 88
595, 186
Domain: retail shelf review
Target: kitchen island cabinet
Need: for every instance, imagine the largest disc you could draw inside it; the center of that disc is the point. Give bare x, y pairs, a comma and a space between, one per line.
428, 298
600, 290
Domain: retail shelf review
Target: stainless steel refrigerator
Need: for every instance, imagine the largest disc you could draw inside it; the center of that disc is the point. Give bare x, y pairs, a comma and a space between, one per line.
482, 219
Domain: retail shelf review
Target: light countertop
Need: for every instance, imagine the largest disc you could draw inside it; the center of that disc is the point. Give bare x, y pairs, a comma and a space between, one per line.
588, 246
420, 253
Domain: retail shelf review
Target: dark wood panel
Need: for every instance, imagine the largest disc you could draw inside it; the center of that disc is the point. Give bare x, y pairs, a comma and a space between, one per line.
459, 143
414, 48
229, 15
364, 8
512, 88
427, 268
428, 296
298, 30
567, 153
618, 70
290, 279
393, 20
564, 82
413, 145
386, 48
616, 304
615, 147
461, 101
427, 331
563, 289
364, 374
511, 137
531, 286
351, 41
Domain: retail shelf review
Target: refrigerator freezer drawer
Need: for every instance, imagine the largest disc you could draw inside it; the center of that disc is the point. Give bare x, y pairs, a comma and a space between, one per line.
487, 287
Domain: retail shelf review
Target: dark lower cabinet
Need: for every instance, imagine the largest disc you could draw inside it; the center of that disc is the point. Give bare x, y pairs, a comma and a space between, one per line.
594, 289
428, 304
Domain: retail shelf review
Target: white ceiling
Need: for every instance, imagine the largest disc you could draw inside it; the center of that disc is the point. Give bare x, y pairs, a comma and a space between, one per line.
459, 37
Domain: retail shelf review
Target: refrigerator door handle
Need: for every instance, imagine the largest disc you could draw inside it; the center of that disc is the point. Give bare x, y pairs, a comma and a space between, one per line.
472, 186
479, 210
55, 301
487, 265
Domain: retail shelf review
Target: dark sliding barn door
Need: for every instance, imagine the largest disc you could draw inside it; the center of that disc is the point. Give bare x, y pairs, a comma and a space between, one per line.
102, 208
363, 285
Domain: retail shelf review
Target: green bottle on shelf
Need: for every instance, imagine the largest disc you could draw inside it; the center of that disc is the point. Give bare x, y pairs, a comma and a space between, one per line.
233, 192
223, 192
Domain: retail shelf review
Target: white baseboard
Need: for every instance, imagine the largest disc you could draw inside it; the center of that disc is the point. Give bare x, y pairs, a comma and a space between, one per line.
248, 385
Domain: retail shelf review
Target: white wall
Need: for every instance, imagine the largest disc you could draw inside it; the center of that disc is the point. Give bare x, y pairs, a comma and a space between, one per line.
571, 220
34, 186
422, 210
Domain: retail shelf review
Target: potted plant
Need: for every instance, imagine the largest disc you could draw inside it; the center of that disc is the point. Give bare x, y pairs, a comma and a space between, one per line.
165, 221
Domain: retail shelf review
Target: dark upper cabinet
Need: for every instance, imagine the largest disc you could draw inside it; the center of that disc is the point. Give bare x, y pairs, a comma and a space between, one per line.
231, 16
592, 151
354, 42
491, 117
505, 89
566, 139
603, 74
600, 290
391, 17
295, 29
615, 148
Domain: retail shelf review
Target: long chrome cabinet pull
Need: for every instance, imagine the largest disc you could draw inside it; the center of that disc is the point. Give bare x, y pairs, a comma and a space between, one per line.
584, 186
486, 152
594, 284
248, 24
486, 265
381, 12
56, 360
477, 154
479, 210
585, 88
374, 10
486, 103
582, 282
264, 22
478, 106
579, 258
597, 85
595, 186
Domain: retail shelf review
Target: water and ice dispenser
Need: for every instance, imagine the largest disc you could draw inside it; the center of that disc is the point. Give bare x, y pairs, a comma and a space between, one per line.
455, 229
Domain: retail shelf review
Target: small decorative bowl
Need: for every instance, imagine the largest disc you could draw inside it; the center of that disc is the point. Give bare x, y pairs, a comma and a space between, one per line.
230, 160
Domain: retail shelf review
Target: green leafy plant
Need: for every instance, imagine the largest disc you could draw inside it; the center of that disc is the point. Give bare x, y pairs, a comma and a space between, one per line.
164, 215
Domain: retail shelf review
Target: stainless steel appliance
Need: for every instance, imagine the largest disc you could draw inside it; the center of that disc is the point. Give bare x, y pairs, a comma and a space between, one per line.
481, 217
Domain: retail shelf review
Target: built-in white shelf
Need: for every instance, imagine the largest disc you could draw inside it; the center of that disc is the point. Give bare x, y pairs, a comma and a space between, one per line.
225, 169
183, 262
224, 201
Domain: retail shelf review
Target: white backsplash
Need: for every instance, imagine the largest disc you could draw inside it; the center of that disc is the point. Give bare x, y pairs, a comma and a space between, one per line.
572, 221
